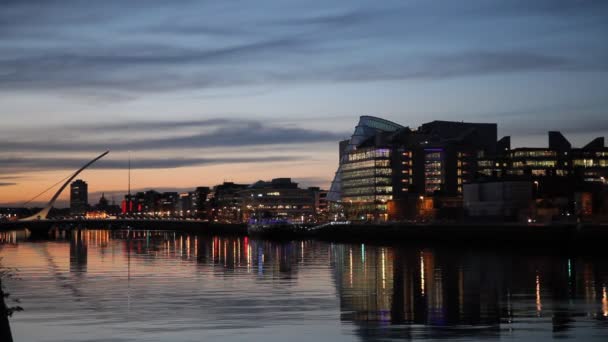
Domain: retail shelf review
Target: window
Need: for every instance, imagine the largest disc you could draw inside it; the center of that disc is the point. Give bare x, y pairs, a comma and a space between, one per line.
533, 153
368, 154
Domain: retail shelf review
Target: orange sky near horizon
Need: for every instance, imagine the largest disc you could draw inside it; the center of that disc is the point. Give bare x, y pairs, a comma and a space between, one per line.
309, 173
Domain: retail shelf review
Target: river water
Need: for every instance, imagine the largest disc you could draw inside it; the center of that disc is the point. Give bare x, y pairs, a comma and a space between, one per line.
101, 285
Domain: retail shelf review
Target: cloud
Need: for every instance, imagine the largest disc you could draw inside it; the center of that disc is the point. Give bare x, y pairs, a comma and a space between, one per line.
225, 133
142, 126
337, 44
336, 20
7, 184
13, 164
469, 63
588, 117
161, 69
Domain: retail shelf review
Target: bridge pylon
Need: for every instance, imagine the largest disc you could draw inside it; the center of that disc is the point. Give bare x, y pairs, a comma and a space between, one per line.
42, 214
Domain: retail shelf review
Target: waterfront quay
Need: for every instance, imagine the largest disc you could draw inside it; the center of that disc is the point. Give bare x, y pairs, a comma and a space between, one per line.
495, 234
559, 235
41, 227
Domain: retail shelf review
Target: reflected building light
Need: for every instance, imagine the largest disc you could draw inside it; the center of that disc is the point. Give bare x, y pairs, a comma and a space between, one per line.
350, 266
181, 246
589, 281
363, 253
604, 302
238, 251
422, 285
213, 251
247, 249
188, 247
383, 258
225, 253
234, 253
436, 286
539, 305
260, 261
248, 256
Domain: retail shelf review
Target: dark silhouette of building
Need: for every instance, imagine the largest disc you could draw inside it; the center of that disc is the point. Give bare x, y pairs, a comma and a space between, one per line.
200, 201
225, 202
106, 207
79, 197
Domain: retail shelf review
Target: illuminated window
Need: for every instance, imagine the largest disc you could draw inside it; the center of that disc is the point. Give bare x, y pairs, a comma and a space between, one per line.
534, 153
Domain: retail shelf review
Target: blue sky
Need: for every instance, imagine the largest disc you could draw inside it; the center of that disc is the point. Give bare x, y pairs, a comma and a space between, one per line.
233, 83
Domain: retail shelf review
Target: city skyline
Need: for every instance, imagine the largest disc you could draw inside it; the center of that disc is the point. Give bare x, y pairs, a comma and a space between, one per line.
248, 94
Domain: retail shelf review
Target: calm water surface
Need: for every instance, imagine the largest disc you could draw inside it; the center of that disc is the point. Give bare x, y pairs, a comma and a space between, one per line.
100, 285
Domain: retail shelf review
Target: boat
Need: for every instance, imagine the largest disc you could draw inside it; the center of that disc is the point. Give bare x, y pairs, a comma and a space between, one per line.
276, 227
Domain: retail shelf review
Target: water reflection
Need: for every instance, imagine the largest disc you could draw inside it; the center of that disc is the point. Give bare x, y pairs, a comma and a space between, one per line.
375, 292
446, 289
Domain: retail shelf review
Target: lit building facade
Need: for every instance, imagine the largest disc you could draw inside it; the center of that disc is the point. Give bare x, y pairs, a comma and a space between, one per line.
225, 202
591, 161
387, 173
367, 177
368, 127
279, 198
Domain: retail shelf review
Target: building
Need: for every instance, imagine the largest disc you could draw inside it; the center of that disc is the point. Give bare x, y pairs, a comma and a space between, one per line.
367, 127
504, 200
591, 161
200, 202
279, 198
366, 182
391, 172
168, 203
320, 200
225, 202
79, 197
104, 206
184, 205
389, 166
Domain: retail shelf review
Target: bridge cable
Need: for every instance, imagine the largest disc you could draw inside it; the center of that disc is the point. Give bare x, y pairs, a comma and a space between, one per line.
45, 191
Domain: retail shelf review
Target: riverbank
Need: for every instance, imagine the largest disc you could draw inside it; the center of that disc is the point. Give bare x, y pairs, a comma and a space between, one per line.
515, 234
462, 233
190, 226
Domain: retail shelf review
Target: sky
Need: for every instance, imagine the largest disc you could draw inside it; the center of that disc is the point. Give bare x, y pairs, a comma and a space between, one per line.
201, 92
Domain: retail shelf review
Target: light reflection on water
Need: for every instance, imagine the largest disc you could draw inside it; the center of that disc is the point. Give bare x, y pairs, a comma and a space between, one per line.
93, 285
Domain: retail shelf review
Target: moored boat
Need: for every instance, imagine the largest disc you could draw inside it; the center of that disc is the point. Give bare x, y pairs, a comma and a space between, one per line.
276, 227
